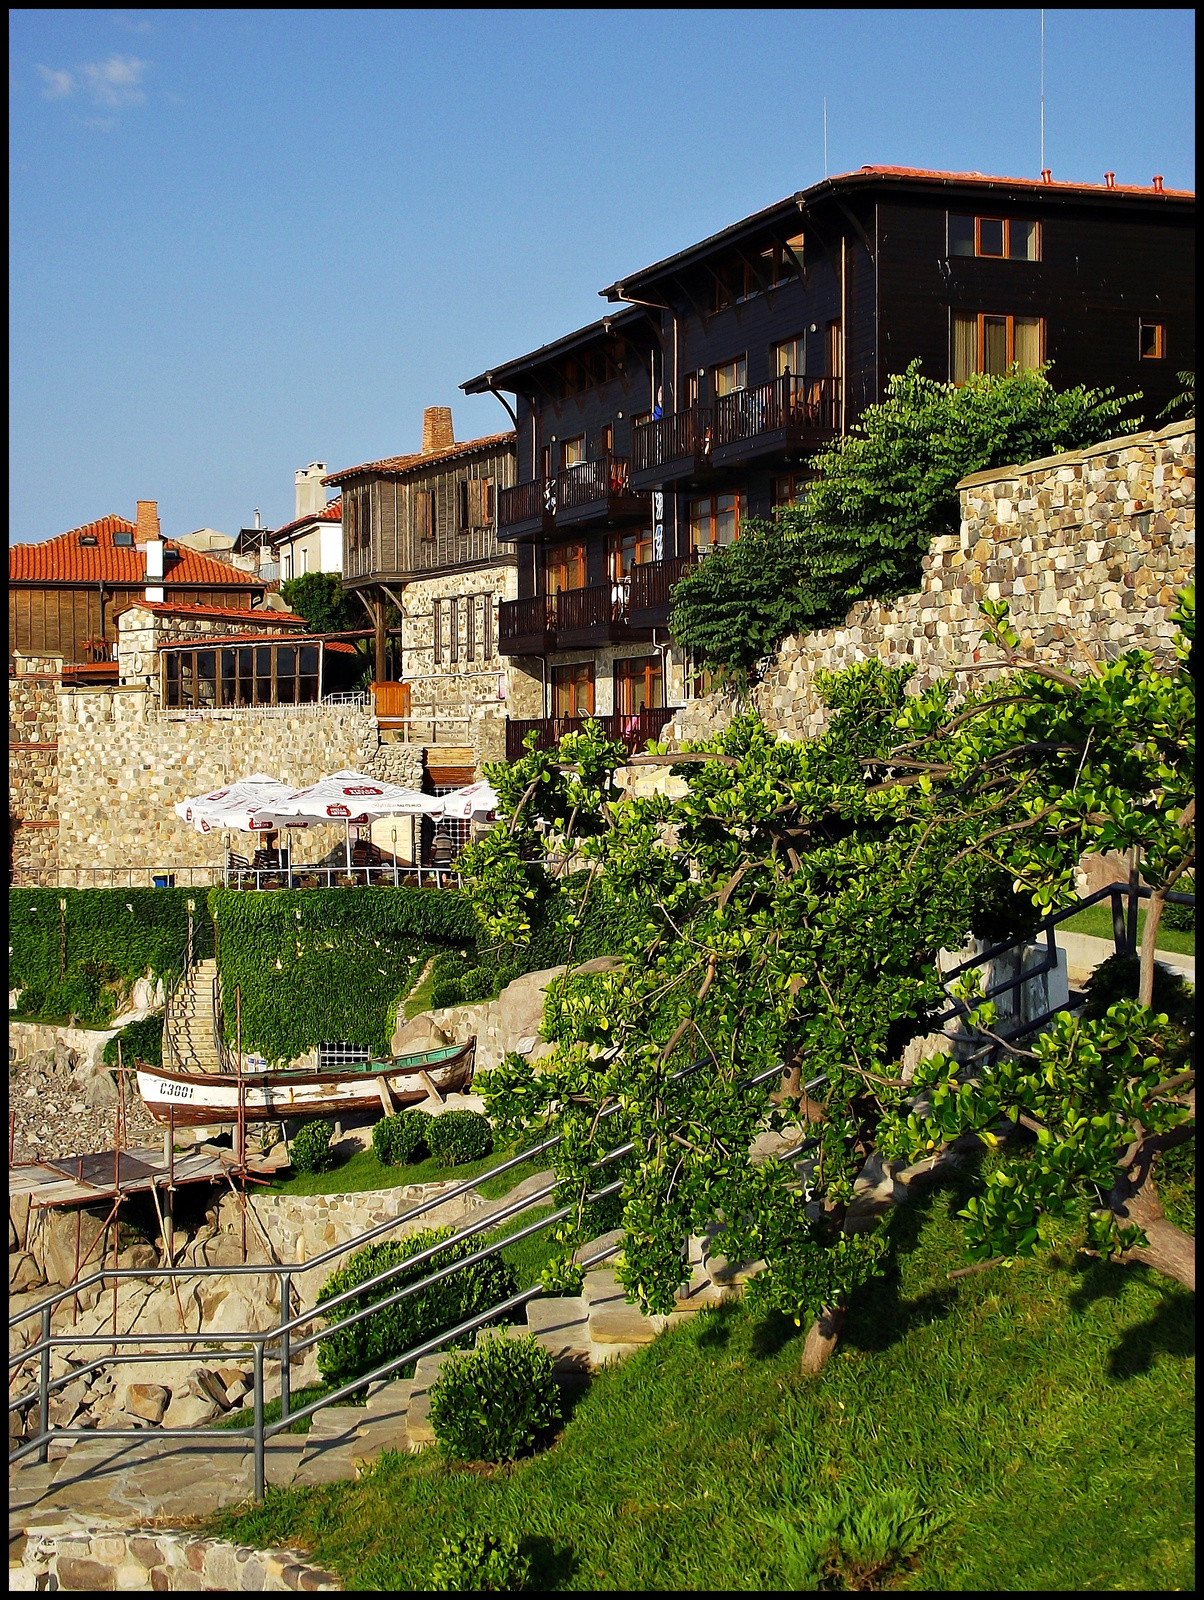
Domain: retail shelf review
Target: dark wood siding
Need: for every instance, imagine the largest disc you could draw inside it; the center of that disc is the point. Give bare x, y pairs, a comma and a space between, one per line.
62, 619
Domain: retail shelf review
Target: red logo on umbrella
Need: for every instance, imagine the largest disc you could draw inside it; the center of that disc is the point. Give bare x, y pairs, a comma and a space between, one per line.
337, 811
366, 789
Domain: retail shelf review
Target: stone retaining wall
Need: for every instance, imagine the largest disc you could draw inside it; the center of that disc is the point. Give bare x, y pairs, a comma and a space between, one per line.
1088, 548
33, 731
156, 1559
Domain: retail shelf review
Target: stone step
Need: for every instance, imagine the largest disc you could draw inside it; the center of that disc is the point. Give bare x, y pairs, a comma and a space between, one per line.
334, 1422
601, 1286
561, 1326
333, 1435
616, 1328
391, 1399
418, 1414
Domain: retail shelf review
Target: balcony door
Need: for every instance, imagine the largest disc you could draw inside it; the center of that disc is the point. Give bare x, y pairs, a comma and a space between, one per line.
573, 690
639, 685
730, 377
564, 568
626, 550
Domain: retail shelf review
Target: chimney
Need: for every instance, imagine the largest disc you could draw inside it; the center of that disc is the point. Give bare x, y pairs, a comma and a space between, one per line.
1109, 180
436, 429
147, 522
311, 492
1046, 175
1158, 183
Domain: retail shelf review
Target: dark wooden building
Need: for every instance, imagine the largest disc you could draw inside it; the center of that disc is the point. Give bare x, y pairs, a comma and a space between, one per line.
647, 438
64, 595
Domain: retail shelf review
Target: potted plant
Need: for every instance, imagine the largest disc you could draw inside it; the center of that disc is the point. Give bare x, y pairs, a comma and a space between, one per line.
347, 880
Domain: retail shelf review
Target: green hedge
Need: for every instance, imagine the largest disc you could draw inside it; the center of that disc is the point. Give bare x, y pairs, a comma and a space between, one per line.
106, 939
139, 1041
319, 964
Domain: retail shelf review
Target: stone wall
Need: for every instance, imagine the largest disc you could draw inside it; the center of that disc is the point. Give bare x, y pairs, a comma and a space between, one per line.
154, 1559
33, 728
1088, 548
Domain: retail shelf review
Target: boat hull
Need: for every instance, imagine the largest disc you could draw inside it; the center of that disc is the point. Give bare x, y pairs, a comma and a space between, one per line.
199, 1099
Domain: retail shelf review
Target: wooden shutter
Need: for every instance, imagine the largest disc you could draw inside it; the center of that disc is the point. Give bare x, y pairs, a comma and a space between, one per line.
470, 628
437, 609
424, 513
475, 500
488, 650
454, 630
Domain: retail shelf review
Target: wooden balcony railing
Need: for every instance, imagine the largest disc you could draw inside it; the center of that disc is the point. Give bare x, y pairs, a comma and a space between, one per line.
795, 404
633, 728
650, 586
593, 480
606, 610
674, 438
523, 502
525, 625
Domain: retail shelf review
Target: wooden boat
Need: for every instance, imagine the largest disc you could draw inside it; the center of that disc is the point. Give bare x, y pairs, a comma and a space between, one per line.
196, 1099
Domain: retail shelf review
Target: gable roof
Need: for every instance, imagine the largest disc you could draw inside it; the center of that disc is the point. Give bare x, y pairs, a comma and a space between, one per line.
174, 608
333, 512
400, 464
64, 560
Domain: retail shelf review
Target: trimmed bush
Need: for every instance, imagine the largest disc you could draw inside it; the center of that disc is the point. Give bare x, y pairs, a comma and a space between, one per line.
345, 1353
446, 992
479, 1561
459, 1136
1117, 978
492, 1403
477, 985
310, 1148
143, 1040
400, 1140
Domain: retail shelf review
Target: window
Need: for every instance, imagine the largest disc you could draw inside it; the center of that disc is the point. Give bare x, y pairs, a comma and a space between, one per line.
424, 513
122, 539
606, 439
475, 503
564, 568
437, 630
639, 685
780, 263
790, 489
288, 565
1009, 238
453, 630
573, 690
470, 628
730, 376
790, 357
644, 416
276, 674
983, 342
730, 282
626, 550
1153, 341
572, 452
689, 391
488, 650
716, 520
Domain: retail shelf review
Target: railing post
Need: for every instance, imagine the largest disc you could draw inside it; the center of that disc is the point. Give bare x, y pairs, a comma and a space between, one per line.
1133, 900
1119, 939
44, 1389
259, 1472
286, 1296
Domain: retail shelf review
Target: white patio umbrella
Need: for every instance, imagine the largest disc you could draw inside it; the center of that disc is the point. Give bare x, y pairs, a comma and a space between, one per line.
474, 800
246, 805
354, 797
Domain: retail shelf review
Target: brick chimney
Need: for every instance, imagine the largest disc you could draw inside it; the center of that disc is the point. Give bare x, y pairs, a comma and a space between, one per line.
436, 429
147, 521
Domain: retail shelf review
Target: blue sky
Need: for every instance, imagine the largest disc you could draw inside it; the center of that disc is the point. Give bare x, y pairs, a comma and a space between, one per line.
246, 240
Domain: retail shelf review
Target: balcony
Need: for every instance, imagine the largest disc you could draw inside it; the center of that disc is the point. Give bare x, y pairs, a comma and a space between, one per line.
791, 413
604, 613
670, 447
593, 491
633, 728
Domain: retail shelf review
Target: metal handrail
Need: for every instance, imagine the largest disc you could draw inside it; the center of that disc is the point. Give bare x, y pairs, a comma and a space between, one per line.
257, 1343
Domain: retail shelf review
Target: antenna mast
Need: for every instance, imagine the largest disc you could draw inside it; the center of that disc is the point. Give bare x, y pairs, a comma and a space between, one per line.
1042, 91
826, 132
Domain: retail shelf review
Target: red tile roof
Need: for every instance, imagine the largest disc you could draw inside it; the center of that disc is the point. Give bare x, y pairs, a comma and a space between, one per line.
332, 513
174, 608
64, 560
407, 463
927, 174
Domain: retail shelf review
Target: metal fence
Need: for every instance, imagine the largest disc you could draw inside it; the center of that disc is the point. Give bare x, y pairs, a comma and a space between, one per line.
279, 1344
305, 708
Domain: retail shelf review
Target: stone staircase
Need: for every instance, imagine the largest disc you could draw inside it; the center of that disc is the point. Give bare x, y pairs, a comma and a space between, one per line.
191, 1022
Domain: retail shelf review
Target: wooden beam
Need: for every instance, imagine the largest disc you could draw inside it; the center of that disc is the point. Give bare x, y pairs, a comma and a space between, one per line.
386, 1097
429, 1085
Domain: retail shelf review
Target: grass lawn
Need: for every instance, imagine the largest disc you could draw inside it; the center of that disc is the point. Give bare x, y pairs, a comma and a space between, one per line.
363, 1171
1097, 920
1040, 1414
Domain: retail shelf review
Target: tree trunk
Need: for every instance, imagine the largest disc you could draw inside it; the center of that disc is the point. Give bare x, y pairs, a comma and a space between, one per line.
822, 1337
1169, 1251
1149, 946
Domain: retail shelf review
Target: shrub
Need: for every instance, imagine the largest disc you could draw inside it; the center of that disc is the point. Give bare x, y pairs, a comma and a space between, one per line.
310, 1148
143, 1040
1182, 918
492, 1403
1117, 979
479, 1561
838, 1543
345, 1353
400, 1140
459, 1136
446, 992
478, 984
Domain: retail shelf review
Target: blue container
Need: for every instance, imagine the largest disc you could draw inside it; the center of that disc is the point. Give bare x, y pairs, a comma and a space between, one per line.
163, 880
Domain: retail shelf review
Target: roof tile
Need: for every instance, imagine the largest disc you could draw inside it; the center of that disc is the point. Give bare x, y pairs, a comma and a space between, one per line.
406, 463
64, 560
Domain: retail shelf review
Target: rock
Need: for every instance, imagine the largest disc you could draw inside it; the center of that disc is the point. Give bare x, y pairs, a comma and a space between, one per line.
65, 1059
53, 1241
205, 1382
63, 1410
100, 1092
420, 1034
146, 1400
235, 1392
13, 1241
231, 1375
138, 1255
189, 1411
23, 1272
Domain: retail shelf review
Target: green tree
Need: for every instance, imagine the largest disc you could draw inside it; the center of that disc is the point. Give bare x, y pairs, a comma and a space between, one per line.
882, 492
788, 912
320, 598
